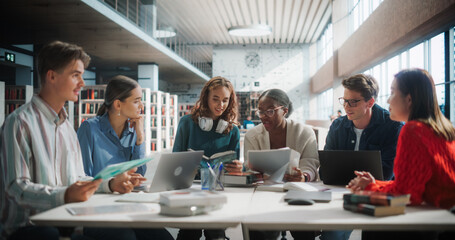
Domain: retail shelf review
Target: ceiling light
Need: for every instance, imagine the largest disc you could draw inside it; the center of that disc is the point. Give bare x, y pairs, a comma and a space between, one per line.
165, 32
250, 30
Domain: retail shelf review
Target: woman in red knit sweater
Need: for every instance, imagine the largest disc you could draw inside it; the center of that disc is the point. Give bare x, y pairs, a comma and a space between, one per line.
425, 158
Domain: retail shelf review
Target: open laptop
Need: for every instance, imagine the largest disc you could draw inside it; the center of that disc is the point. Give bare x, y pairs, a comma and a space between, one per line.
338, 166
173, 171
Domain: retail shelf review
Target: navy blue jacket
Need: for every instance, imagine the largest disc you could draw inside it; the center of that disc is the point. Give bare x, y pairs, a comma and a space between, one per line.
381, 134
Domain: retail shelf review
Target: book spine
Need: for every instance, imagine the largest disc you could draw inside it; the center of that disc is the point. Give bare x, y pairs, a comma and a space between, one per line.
360, 208
372, 199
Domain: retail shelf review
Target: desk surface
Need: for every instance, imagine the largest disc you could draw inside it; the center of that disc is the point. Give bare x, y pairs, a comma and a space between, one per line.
230, 215
257, 210
269, 211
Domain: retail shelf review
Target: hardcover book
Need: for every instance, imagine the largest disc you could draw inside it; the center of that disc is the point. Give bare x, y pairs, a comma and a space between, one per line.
373, 210
187, 210
191, 197
243, 178
221, 157
377, 198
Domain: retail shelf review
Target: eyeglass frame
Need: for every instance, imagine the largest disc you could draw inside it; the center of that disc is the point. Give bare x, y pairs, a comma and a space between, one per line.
273, 110
350, 102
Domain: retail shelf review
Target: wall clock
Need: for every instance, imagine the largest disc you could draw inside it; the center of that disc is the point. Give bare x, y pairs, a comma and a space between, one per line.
252, 59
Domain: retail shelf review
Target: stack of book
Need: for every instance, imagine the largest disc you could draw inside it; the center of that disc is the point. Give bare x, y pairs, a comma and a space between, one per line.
190, 202
376, 203
239, 179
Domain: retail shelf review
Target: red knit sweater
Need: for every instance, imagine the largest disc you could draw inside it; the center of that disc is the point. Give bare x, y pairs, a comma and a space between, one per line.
424, 167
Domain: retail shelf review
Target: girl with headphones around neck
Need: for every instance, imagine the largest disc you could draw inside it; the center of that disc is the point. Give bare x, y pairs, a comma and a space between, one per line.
210, 127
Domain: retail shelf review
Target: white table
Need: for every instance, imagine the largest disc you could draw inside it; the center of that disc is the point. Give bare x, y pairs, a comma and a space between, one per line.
230, 215
268, 211
255, 210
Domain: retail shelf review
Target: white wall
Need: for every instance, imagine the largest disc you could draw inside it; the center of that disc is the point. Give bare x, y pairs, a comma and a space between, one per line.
276, 66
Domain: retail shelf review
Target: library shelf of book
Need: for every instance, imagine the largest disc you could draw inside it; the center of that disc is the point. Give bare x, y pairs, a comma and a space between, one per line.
15, 96
185, 109
157, 123
174, 118
90, 100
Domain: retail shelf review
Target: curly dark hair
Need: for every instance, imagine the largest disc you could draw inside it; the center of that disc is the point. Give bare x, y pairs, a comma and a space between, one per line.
201, 108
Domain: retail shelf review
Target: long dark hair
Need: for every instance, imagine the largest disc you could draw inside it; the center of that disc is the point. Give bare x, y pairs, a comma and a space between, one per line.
419, 84
280, 97
119, 87
201, 108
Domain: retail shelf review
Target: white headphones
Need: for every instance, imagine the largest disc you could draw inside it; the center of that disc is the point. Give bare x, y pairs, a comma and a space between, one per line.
206, 124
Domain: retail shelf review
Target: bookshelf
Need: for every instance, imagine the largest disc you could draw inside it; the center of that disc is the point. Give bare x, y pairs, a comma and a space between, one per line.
146, 101
90, 100
70, 108
185, 109
2, 103
174, 118
156, 120
166, 127
157, 115
16, 96
248, 103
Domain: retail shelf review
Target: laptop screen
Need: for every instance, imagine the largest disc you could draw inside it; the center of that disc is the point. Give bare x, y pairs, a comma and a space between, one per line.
338, 166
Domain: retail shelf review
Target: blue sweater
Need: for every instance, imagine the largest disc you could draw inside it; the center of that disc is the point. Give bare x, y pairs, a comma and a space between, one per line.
380, 134
190, 135
101, 146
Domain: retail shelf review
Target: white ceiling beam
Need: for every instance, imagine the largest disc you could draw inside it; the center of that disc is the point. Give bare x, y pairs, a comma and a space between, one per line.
309, 20
317, 19
271, 16
322, 24
303, 17
285, 20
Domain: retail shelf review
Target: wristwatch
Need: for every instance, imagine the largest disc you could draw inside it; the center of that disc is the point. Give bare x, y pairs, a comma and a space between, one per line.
307, 177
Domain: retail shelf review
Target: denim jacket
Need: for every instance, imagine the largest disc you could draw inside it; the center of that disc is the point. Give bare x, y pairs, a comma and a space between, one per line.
380, 134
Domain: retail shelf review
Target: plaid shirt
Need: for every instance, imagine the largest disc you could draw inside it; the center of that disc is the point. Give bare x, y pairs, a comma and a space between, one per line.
39, 157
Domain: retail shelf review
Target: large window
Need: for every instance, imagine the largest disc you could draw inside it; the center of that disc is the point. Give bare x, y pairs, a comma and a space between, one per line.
324, 46
325, 104
359, 11
429, 55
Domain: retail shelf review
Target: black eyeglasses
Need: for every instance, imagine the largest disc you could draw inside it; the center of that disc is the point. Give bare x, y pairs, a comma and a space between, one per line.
268, 113
350, 102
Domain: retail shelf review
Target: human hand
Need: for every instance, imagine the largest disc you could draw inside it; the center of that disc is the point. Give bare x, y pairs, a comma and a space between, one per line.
234, 166
297, 176
138, 125
361, 181
125, 182
81, 191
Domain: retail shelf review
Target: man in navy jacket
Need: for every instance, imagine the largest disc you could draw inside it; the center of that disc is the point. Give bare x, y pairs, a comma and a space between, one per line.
366, 126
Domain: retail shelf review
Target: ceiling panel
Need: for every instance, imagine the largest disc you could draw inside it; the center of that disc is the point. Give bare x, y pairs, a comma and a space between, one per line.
207, 21
200, 24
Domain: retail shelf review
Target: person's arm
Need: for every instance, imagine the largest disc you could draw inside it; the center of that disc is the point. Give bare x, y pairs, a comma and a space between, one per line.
412, 166
309, 157
234, 144
388, 150
139, 153
86, 143
181, 137
248, 144
330, 141
17, 164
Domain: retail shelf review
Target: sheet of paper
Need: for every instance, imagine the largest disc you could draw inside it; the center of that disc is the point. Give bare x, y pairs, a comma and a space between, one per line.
115, 169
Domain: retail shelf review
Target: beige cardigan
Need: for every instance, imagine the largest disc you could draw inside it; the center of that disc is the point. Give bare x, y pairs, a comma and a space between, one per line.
299, 137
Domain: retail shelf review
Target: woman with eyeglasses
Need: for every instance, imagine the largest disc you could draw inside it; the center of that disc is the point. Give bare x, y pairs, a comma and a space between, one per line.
277, 131
425, 155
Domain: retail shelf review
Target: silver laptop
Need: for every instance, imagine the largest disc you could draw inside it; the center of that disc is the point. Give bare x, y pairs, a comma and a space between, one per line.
338, 166
173, 171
